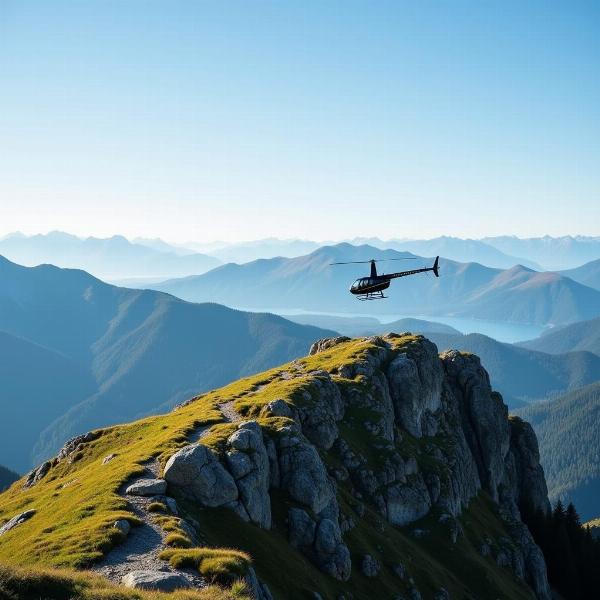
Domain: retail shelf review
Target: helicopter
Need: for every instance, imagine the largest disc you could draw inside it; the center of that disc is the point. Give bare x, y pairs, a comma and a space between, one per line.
371, 288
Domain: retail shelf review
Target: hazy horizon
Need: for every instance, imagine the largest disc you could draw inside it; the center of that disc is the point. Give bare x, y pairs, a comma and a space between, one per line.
363, 239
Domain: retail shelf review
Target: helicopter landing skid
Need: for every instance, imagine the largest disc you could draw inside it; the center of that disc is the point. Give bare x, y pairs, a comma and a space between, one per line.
372, 296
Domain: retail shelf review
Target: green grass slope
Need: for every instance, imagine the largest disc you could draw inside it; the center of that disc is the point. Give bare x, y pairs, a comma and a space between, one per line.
568, 431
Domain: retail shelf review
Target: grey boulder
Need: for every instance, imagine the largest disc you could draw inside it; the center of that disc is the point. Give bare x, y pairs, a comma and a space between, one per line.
198, 474
147, 487
155, 580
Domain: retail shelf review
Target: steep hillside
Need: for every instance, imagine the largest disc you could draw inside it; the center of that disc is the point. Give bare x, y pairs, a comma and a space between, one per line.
80, 353
7, 477
37, 385
568, 429
109, 258
588, 274
522, 375
372, 467
584, 335
309, 282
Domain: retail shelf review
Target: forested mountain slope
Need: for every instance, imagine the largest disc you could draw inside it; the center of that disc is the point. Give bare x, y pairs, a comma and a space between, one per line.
584, 335
568, 430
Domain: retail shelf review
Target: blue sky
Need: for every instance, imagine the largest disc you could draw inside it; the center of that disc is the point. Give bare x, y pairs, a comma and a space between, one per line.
324, 120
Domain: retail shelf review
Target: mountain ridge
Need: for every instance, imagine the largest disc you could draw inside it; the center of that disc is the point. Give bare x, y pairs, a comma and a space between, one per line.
374, 466
122, 344
309, 282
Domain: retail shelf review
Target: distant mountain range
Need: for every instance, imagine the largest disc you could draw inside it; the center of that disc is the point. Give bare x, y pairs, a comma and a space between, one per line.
77, 353
568, 430
7, 477
267, 248
518, 295
366, 326
588, 274
461, 250
110, 258
522, 375
502, 252
552, 253
584, 335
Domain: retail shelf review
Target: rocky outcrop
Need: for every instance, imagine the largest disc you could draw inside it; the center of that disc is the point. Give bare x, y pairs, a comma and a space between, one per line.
326, 343
430, 434
197, 473
248, 463
17, 520
415, 382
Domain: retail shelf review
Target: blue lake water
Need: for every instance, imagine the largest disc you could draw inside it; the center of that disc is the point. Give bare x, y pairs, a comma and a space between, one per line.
501, 331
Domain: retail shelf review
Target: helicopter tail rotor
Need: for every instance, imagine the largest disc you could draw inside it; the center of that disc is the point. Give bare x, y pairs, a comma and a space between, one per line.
435, 267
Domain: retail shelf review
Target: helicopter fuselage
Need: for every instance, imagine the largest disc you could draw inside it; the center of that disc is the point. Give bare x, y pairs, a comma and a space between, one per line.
369, 285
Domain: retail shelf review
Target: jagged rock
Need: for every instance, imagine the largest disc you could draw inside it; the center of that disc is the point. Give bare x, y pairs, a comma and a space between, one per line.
319, 414
332, 555
123, 526
454, 527
147, 487
75, 444
258, 589
278, 408
484, 417
533, 564
415, 385
155, 580
406, 503
37, 474
274, 476
370, 566
301, 528
172, 505
524, 484
248, 462
17, 520
327, 343
198, 474
303, 474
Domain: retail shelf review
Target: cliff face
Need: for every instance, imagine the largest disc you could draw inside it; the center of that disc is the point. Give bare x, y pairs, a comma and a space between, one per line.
392, 426
372, 468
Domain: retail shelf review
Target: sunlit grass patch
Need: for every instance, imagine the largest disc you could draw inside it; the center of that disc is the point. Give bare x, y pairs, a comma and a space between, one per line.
218, 565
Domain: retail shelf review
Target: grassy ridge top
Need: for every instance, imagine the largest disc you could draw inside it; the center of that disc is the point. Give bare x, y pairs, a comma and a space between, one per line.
77, 502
